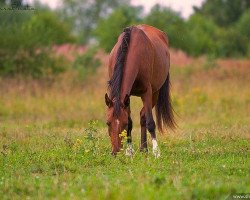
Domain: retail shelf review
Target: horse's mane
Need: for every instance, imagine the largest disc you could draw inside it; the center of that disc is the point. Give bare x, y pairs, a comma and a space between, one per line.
115, 82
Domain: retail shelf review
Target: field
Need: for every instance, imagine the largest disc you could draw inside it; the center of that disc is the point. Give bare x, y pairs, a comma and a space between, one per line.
51, 150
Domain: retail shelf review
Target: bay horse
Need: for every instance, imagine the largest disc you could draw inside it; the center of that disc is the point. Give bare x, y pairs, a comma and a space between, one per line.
139, 66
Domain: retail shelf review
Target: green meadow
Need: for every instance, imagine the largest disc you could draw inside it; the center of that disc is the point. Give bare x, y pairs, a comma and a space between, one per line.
50, 148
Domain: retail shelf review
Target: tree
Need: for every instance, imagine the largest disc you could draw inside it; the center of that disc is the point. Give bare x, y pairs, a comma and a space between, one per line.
172, 24
45, 28
108, 29
243, 25
203, 33
84, 15
25, 43
223, 12
243, 29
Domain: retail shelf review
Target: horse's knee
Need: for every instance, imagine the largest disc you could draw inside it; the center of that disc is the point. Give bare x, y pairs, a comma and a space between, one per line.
151, 126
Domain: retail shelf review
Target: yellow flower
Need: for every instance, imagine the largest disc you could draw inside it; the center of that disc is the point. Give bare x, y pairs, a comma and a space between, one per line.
78, 141
123, 135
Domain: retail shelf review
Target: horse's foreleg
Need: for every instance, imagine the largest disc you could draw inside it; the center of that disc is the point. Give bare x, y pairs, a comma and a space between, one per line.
129, 150
144, 146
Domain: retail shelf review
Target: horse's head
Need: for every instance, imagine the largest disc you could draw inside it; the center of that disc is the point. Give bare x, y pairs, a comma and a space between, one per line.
117, 120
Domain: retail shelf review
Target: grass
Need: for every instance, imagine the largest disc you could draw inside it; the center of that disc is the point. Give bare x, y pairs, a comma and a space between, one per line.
49, 151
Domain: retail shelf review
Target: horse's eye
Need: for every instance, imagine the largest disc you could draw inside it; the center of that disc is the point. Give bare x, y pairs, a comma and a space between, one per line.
108, 123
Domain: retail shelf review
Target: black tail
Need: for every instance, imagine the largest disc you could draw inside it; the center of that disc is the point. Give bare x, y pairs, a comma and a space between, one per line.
163, 108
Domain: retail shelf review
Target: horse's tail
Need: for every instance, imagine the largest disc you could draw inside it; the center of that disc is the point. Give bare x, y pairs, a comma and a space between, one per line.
116, 79
163, 108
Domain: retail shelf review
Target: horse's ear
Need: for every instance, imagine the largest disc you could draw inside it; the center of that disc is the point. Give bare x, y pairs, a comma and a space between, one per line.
108, 101
126, 100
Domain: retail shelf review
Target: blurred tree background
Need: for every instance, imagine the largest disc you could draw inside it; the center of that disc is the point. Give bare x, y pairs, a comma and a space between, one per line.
219, 28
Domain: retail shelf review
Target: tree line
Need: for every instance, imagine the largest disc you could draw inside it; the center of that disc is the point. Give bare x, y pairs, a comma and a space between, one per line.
219, 28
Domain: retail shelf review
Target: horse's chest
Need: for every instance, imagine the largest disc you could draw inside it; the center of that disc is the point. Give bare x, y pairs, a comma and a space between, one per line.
138, 88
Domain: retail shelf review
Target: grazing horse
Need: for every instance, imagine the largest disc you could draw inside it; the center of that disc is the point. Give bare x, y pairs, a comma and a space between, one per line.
139, 66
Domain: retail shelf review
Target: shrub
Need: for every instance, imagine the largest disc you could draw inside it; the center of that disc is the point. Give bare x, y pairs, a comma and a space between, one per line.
203, 35
36, 64
25, 44
87, 63
244, 29
231, 43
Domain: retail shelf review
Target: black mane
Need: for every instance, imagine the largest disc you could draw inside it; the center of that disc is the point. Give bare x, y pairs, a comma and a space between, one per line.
115, 82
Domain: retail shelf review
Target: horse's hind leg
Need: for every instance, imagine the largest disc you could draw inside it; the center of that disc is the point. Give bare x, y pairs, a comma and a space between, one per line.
156, 150
149, 101
129, 150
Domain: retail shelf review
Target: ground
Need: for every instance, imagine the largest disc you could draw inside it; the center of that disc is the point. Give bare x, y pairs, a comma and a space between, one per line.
51, 150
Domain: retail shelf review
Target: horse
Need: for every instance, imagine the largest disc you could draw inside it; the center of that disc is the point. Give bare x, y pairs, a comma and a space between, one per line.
139, 66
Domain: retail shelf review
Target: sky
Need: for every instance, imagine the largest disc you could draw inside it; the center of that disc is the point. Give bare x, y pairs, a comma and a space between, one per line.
182, 6
185, 7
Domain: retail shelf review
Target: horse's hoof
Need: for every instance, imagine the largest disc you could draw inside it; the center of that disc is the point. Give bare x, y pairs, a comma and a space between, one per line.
129, 151
144, 150
156, 152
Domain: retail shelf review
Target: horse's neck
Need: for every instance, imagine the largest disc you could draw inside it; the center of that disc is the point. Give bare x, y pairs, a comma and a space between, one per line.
128, 80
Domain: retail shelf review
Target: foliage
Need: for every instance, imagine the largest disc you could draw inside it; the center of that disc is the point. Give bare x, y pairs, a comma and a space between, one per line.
83, 15
30, 63
45, 29
243, 24
172, 24
220, 28
87, 63
203, 32
25, 43
109, 28
244, 29
223, 12
197, 36
231, 43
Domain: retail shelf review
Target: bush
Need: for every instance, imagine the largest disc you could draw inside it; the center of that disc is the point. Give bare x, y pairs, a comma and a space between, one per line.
231, 43
203, 35
27, 63
244, 29
87, 63
45, 29
25, 44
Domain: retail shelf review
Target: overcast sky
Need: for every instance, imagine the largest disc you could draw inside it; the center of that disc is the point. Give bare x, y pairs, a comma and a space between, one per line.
185, 7
182, 6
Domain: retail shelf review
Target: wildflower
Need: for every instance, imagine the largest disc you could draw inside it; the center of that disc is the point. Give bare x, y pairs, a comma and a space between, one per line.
77, 144
124, 136
123, 133
78, 141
